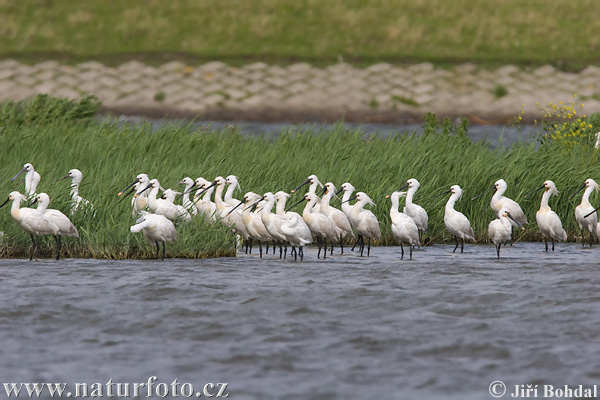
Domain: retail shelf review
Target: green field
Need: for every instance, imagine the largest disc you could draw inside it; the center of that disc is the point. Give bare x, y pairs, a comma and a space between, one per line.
361, 32
57, 135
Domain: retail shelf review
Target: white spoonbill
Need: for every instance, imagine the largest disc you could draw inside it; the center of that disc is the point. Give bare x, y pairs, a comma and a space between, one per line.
404, 227
64, 224
234, 219
32, 179
78, 202
314, 183
189, 183
500, 230
585, 214
204, 204
457, 224
139, 202
548, 222
169, 195
253, 222
233, 183
348, 189
320, 226
365, 221
499, 201
32, 221
297, 234
160, 206
156, 228
415, 211
339, 219
272, 221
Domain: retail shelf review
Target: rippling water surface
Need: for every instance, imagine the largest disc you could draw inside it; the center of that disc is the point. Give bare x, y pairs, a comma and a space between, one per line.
442, 326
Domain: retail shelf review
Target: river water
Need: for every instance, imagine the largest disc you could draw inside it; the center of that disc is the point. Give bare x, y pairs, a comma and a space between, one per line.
443, 326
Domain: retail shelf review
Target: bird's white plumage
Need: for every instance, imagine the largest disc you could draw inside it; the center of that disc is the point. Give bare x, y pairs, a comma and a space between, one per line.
64, 224
404, 227
547, 220
456, 222
589, 223
339, 219
415, 211
32, 179
499, 201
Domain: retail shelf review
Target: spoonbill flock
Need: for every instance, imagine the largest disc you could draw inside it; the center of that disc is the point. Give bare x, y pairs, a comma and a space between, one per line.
253, 221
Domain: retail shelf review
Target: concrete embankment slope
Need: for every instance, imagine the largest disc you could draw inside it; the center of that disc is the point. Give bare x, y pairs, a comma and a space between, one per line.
300, 92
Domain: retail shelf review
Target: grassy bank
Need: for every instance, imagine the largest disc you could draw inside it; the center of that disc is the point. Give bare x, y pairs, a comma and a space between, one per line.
110, 155
280, 31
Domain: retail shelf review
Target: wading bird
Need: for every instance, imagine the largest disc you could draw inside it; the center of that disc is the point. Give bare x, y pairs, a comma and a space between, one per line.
32, 222
320, 226
456, 223
415, 211
272, 221
253, 222
312, 189
156, 228
499, 201
186, 202
32, 179
64, 224
404, 227
500, 230
77, 202
339, 219
140, 199
585, 214
204, 204
548, 221
364, 221
160, 206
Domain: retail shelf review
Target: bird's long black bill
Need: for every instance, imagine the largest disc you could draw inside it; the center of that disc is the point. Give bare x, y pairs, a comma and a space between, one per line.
289, 208
533, 191
588, 214
3, 204
578, 190
239, 204
515, 221
304, 183
17, 175
479, 195
121, 192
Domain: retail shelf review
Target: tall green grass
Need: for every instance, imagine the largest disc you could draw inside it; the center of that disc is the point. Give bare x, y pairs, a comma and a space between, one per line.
111, 154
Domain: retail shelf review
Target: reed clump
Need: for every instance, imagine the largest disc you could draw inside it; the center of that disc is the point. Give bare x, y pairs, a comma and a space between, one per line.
110, 154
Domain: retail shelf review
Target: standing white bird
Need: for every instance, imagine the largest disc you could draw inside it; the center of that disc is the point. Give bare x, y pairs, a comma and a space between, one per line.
156, 228
548, 222
457, 224
272, 221
253, 222
499, 201
320, 226
32, 221
234, 219
189, 183
404, 227
64, 224
314, 183
205, 205
339, 219
32, 179
160, 206
233, 183
169, 195
139, 202
585, 214
348, 189
500, 230
364, 221
415, 211
78, 202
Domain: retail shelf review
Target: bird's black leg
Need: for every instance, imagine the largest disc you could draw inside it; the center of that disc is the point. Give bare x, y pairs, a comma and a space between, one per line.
260, 248
498, 249
157, 249
402, 251
301, 253
58, 246
358, 238
325, 244
285, 251
546, 242
32, 247
319, 244
342, 244
369, 248
411, 249
455, 247
582, 239
163, 250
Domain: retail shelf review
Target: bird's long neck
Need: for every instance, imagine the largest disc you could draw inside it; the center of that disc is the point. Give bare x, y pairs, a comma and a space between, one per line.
395, 204
152, 195
345, 205
209, 192
268, 207
280, 209
586, 195
451, 202
308, 207
229, 192
15, 209
409, 195
545, 198
29, 183
218, 195
325, 202
42, 207
74, 189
